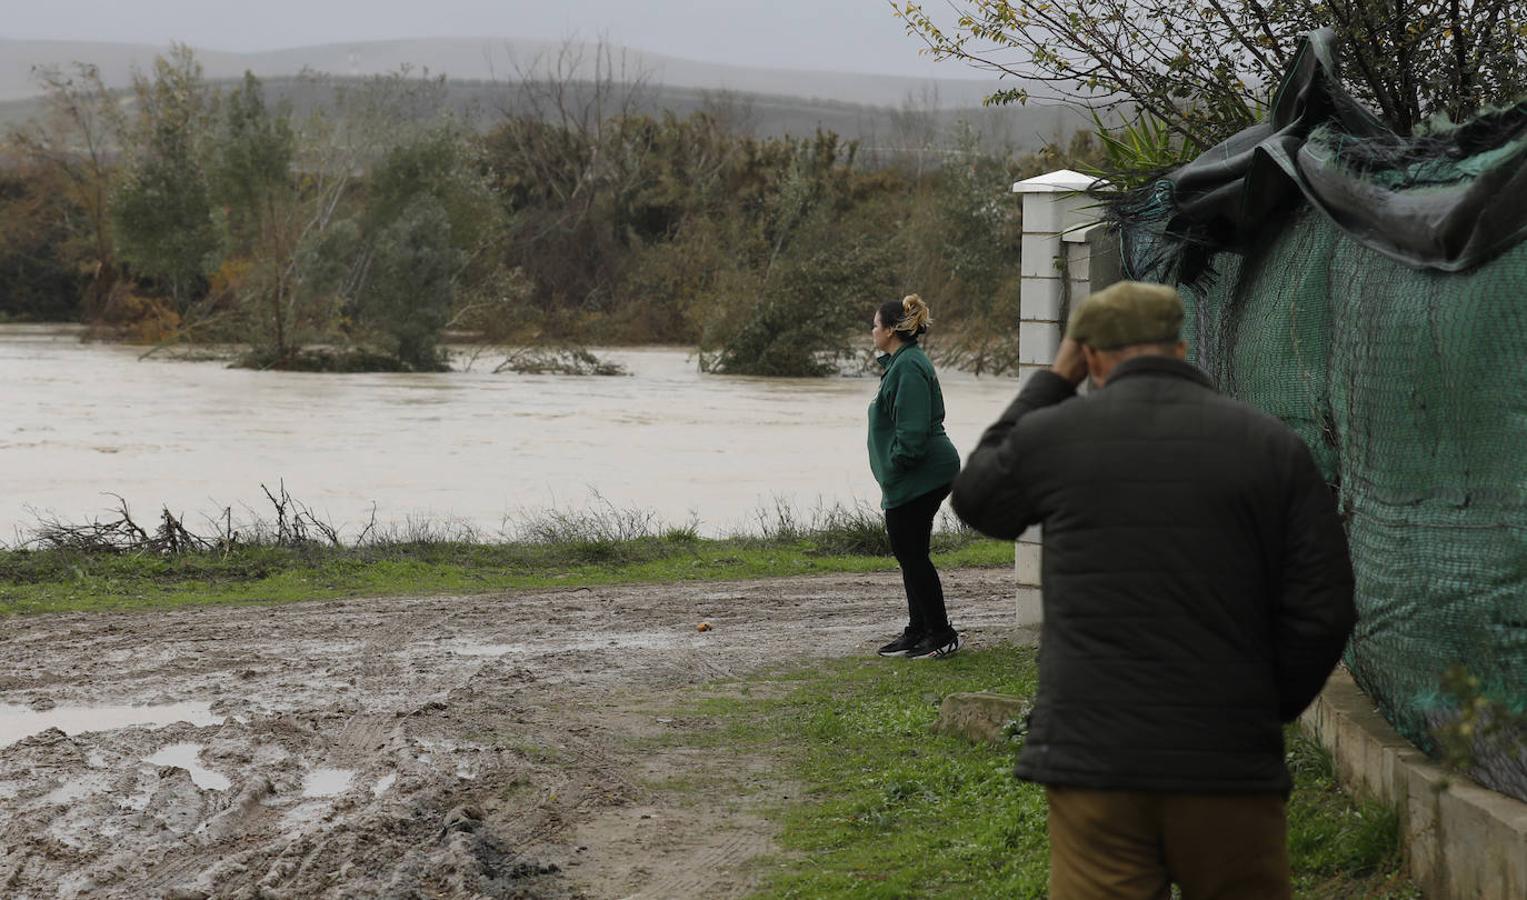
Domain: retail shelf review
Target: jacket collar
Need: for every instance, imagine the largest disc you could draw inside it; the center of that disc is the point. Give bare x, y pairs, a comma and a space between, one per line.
887, 359
1159, 365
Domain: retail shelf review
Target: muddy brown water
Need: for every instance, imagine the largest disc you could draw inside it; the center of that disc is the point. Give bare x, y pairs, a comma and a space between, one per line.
81, 421
502, 745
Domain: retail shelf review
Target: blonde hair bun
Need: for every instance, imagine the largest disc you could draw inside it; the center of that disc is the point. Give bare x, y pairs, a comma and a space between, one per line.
916, 319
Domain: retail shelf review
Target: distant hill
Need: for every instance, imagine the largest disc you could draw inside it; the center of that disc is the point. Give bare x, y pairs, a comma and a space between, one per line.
484, 59
884, 113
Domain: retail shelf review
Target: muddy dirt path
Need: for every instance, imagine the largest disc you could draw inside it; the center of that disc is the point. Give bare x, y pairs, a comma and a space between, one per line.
446, 746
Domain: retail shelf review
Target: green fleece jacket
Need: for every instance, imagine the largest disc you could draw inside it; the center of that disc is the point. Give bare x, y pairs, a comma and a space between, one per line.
909, 452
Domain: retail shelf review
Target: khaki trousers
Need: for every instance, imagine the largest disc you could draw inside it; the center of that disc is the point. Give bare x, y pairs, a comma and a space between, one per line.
1123, 845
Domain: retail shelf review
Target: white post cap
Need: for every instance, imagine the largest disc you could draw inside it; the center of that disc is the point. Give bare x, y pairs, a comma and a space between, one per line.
1062, 181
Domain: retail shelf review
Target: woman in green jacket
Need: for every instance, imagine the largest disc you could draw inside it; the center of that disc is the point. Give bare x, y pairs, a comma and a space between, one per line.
915, 463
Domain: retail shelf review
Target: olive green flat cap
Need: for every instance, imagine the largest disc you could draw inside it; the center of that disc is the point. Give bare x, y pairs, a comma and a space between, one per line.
1125, 313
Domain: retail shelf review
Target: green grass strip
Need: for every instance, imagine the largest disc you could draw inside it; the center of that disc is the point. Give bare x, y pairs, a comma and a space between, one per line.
58, 581
892, 810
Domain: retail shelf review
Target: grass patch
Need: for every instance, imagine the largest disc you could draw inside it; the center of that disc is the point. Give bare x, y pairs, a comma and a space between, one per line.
892, 810
1340, 847
293, 554
42, 581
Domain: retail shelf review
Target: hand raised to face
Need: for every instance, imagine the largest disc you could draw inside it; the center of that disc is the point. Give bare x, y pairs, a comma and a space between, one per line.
1070, 362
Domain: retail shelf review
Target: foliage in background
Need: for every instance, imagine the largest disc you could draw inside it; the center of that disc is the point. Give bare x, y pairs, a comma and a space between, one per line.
42, 281
69, 155
208, 214
1137, 153
162, 206
1477, 731
1204, 69
959, 243
383, 264
410, 287
251, 177
362, 235
816, 265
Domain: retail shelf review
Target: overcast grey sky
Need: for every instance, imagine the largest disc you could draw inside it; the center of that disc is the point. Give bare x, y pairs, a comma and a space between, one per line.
844, 35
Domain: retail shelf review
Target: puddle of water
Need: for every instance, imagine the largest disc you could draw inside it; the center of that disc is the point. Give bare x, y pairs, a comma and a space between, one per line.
636, 640
326, 782
382, 784
188, 757
465, 648
303, 815
72, 790
18, 722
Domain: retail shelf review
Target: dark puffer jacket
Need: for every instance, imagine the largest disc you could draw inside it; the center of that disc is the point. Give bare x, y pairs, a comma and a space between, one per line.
1197, 587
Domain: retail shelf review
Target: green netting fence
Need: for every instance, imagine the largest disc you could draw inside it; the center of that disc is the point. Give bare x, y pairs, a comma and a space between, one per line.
1408, 380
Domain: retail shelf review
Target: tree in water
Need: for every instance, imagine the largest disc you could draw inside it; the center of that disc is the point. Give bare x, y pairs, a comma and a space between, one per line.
411, 290
428, 217
251, 178
162, 210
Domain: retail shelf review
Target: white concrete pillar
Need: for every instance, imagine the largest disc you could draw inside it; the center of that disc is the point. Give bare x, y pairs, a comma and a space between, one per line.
1055, 270
1054, 211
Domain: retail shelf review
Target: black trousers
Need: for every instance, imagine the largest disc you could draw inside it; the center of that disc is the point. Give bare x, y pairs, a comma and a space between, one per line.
910, 527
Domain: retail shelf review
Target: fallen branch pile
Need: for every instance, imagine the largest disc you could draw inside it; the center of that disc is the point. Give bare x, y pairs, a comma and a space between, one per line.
295, 525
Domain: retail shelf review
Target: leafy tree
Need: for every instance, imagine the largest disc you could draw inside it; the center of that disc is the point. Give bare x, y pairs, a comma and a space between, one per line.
291, 197
440, 163
960, 250
38, 279
411, 291
251, 176
1204, 67
802, 320
72, 149
162, 209
252, 155
818, 261
416, 245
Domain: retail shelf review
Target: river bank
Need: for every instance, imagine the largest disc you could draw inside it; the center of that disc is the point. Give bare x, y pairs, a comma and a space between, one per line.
52, 581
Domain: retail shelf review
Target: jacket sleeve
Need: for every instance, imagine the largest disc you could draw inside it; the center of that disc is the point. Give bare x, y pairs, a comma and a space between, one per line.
911, 413
991, 493
1315, 612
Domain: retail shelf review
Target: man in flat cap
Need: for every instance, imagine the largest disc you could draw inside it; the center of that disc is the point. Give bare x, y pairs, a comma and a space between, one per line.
1196, 590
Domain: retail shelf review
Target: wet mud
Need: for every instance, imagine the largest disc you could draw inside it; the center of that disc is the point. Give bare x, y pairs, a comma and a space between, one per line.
486, 746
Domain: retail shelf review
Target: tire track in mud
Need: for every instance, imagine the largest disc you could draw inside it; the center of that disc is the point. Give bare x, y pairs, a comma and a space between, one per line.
441, 746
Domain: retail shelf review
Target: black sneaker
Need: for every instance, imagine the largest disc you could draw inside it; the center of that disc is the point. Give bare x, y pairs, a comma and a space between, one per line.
901, 645
936, 646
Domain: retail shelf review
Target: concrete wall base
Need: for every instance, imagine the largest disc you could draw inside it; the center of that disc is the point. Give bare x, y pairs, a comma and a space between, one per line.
1461, 839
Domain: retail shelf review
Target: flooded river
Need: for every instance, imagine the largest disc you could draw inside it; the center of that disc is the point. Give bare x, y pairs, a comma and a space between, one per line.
82, 421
